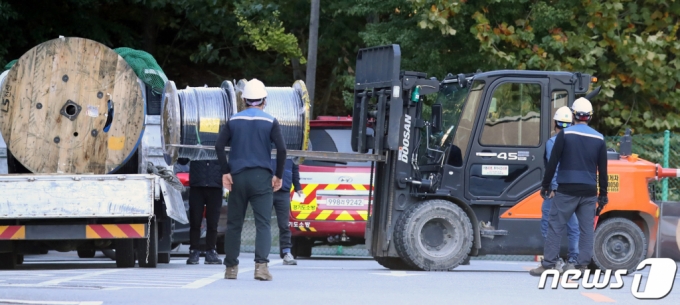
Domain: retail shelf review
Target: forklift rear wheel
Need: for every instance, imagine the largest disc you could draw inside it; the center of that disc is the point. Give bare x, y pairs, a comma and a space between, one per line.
435, 235
394, 263
125, 253
8, 260
619, 244
86, 253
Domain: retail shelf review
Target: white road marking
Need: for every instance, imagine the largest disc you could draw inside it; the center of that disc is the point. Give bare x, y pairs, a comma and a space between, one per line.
213, 278
49, 302
397, 273
77, 277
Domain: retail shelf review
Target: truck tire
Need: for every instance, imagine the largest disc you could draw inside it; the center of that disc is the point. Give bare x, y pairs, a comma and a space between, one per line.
434, 235
302, 247
153, 248
394, 263
619, 244
86, 253
164, 258
125, 253
8, 261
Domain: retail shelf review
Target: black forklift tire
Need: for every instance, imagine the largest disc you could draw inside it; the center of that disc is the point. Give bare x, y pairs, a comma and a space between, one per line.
164, 258
141, 246
394, 263
434, 235
8, 261
619, 244
20, 259
87, 253
125, 253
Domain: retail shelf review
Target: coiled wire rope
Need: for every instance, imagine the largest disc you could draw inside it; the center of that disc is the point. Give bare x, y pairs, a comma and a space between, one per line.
195, 115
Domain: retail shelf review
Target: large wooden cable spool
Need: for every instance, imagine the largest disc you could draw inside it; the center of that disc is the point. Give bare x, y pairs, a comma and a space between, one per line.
72, 105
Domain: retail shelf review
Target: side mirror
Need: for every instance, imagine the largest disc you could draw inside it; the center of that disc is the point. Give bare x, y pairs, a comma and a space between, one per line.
436, 118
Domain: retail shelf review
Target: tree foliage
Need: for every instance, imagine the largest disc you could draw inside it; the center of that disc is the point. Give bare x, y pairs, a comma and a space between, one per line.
631, 46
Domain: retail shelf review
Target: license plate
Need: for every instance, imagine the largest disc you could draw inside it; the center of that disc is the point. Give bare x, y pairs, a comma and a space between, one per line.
345, 202
298, 207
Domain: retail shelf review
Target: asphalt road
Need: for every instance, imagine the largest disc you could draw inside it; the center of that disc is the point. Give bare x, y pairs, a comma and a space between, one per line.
63, 278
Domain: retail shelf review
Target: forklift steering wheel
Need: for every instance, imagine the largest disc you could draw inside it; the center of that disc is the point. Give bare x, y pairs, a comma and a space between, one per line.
446, 136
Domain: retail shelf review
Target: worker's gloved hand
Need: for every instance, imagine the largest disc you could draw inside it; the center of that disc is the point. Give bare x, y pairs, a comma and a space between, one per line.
545, 192
601, 202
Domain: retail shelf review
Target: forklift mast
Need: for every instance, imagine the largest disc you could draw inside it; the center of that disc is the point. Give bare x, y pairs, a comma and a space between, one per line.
430, 212
392, 100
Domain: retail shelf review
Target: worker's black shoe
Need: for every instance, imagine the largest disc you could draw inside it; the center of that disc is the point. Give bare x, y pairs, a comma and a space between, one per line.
211, 258
570, 265
193, 257
538, 271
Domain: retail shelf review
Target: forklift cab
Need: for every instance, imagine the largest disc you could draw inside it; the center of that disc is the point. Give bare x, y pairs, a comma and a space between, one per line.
497, 124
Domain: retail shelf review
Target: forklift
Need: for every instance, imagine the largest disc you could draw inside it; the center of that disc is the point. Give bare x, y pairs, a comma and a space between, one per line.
465, 182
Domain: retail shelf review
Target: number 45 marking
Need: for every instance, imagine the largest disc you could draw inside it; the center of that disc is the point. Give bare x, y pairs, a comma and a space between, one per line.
507, 156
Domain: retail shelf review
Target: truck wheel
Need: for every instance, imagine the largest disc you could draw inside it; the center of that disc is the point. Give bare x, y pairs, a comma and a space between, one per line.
8, 261
619, 244
435, 235
302, 247
164, 258
86, 253
394, 263
125, 253
153, 248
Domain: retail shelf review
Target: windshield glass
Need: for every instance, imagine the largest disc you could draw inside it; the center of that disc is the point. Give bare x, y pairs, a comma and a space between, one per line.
451, 96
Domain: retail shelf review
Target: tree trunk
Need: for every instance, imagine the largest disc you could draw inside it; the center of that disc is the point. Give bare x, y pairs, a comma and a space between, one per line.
311, 52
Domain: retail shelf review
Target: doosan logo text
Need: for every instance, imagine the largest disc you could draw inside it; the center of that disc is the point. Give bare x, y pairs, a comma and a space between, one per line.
403, 151
659, 281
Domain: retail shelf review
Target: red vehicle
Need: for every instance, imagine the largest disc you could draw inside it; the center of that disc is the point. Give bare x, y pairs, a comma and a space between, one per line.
334, 208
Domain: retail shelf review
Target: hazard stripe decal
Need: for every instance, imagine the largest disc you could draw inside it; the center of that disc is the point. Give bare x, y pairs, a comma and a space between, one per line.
115, 231
12, 232
310, 193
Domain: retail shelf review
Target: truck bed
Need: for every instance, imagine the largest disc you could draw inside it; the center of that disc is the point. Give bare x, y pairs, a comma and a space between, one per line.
33, 196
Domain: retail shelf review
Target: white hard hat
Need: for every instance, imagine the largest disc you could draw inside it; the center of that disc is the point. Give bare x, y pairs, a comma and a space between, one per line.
254, 90
563, 114
582, 109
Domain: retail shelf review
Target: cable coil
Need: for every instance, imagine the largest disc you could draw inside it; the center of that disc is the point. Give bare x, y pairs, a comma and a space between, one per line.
195, 115
290, 106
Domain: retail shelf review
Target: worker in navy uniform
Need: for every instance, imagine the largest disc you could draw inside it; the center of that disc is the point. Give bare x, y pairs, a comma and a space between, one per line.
581, 154
249, 176
563, 119
205, 180
291, 177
